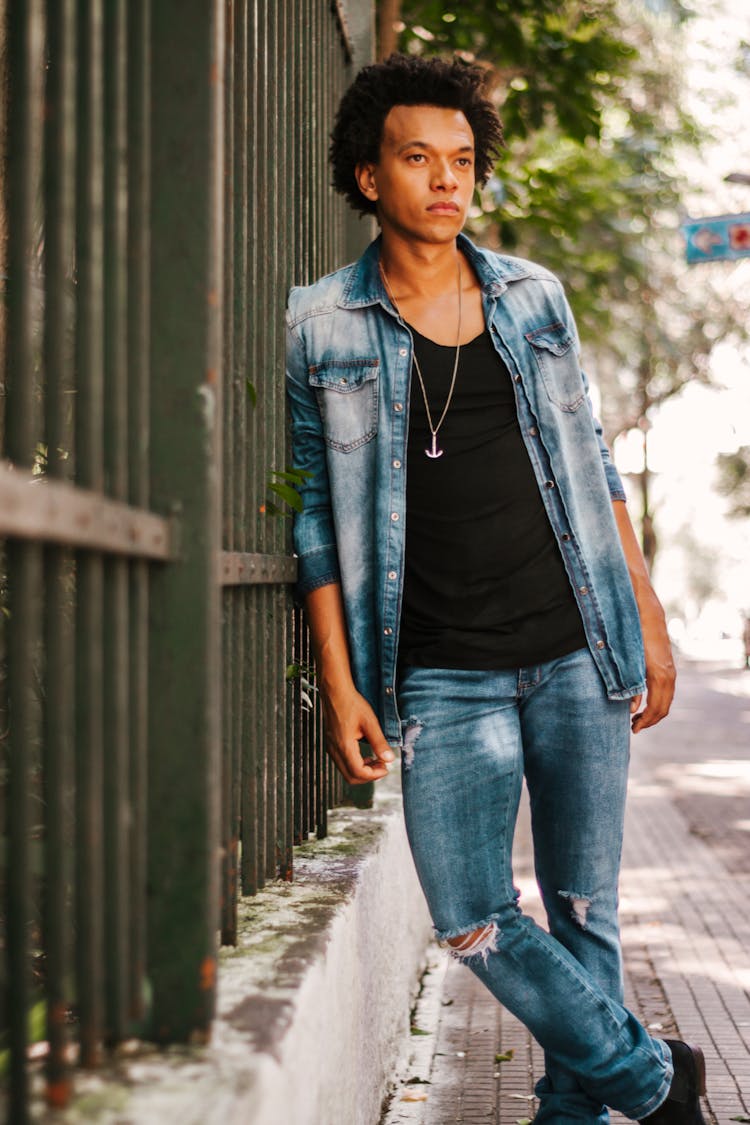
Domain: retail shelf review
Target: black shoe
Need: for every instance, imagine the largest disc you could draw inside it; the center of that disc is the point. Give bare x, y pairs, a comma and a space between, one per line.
682, 1106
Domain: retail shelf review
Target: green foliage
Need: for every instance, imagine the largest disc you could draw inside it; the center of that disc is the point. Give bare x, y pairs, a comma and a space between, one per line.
284, 484
734, 480
592, 115
553, 60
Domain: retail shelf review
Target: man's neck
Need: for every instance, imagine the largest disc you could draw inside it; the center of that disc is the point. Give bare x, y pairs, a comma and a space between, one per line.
419, 268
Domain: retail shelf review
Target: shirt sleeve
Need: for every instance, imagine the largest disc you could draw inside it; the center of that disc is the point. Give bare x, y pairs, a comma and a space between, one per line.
314, 534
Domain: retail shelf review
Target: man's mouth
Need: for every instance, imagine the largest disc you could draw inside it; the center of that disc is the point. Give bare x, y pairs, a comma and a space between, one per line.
443, 208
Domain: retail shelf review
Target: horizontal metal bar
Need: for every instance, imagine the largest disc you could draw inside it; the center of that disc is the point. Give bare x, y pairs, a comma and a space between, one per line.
34, 507
241, 569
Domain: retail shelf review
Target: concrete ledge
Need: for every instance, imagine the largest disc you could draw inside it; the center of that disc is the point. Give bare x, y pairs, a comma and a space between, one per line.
313, 1004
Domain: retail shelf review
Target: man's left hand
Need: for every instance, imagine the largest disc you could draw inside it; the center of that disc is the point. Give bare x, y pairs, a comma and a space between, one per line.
660, 674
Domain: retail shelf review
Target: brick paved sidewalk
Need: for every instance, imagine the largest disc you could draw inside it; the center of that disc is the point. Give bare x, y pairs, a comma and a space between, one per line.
685, 917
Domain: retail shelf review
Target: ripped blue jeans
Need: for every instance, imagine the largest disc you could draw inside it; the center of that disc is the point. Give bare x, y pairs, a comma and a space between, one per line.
468, 741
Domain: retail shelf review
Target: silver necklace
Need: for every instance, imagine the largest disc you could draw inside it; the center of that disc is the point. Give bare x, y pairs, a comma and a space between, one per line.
433, 452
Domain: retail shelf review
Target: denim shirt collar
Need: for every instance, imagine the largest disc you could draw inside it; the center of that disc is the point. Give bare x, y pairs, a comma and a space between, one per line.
365, 286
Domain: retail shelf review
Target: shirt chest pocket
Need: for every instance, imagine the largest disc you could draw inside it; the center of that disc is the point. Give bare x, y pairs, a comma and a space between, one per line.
557, 362
347, 393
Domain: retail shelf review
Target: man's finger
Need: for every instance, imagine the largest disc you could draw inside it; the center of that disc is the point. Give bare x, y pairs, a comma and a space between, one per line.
355, 769
658, 702
372, 733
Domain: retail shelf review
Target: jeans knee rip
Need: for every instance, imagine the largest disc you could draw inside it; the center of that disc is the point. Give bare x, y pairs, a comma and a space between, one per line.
579, 907
475, 943
412, 733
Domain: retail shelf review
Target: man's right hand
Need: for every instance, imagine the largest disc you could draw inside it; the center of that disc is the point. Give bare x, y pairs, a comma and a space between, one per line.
349, 718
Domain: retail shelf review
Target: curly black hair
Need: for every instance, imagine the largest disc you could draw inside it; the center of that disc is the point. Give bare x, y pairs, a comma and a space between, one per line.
408, 80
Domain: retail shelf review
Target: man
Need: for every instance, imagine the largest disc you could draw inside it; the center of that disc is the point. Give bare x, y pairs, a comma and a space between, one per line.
473, 584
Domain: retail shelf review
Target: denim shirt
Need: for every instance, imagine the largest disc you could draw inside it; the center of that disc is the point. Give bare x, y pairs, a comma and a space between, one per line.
349, 358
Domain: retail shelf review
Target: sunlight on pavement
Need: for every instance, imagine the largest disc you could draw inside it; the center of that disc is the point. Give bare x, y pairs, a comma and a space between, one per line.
720, 778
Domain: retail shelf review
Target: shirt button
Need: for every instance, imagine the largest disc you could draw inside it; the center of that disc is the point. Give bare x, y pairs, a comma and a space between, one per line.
533, 431
402, 351
389, 691
583, 589
565, 537
397, 464
600, 644
394, 516
398, 407
518, 378
388, 630
549, 484
392, 574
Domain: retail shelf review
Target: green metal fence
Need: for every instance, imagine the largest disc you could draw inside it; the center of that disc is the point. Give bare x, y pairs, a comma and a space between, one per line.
164, 183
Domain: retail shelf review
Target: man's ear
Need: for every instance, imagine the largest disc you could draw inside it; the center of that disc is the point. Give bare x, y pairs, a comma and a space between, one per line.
365, 177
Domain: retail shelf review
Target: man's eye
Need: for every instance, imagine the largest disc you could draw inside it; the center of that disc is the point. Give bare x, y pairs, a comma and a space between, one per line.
464, 161
416, 156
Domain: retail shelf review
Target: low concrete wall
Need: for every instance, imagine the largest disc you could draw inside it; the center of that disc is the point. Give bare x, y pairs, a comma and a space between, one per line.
313, 1004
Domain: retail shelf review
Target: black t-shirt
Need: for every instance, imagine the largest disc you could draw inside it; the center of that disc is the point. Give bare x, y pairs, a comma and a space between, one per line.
485, 586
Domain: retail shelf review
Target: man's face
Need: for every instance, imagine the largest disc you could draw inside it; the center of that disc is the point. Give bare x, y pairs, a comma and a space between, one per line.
424, 180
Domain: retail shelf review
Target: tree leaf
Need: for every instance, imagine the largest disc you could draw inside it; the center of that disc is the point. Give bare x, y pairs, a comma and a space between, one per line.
288, 494
294, 476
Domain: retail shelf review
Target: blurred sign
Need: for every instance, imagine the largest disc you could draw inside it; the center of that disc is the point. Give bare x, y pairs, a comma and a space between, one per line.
720, 238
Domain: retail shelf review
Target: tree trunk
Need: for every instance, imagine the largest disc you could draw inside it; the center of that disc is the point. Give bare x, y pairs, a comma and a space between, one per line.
649, 541
388, 16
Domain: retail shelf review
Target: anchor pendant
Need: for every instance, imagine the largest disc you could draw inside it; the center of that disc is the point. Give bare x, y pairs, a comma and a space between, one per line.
435, 452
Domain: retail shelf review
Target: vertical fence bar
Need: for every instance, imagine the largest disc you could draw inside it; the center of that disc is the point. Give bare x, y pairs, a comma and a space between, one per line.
89, 474
293, 128
297, 727
311, 192
58, 711
248, 851
284, 846
138, 298
265, 452
286, 54
230, 596
249, 751
355, 232
185, 644
25, 36
263, 447
286, 234
273, 284
255, 812
116, 581
245, 394
321, 13
241, 399
309, 270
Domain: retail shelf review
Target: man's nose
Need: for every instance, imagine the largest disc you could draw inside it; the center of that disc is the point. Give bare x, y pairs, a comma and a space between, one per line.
444, 178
